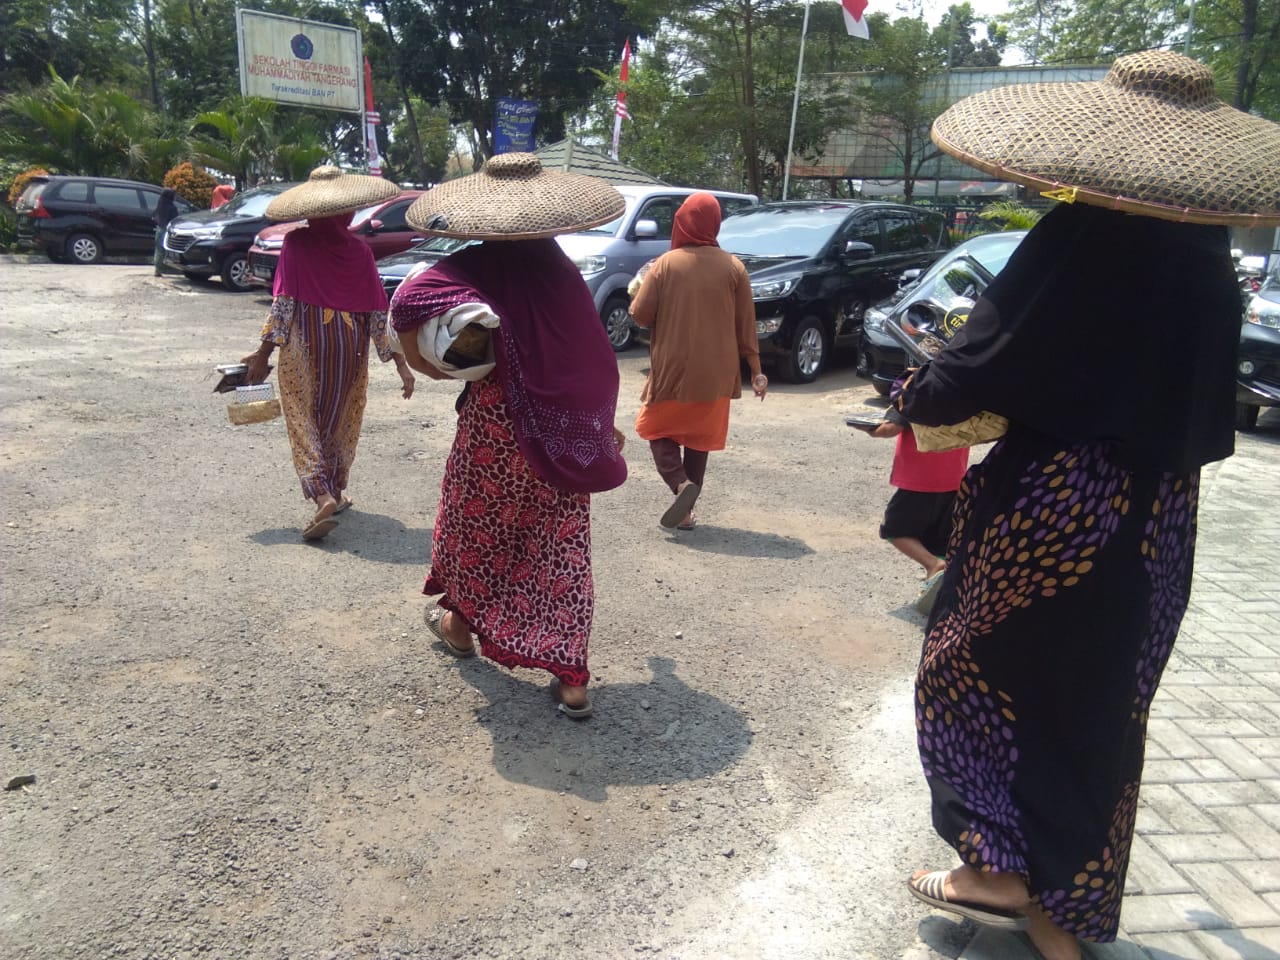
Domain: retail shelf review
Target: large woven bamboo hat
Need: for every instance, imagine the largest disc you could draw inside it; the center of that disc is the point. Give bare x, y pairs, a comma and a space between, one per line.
1149, 138
330, 192
513, 198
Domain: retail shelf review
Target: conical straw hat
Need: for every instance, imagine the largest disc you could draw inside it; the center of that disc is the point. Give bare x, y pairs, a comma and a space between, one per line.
513, 198
1149, 138
330, 192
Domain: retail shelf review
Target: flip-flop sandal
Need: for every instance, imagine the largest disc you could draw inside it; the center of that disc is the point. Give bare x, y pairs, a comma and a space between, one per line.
434, 618
928, 594
688, 524
929, 888
319, 529
680, 508
576, 713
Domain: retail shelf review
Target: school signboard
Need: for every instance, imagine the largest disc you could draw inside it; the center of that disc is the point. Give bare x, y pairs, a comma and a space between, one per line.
299, 62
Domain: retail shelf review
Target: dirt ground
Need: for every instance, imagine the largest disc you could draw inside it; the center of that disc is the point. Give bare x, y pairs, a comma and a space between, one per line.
245, 745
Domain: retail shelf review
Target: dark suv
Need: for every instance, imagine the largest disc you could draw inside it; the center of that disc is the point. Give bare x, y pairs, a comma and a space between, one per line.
83, 219
211, 242
816, 265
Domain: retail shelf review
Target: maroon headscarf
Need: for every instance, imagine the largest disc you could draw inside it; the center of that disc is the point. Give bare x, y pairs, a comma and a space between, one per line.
697, 222
325, 264
555, 364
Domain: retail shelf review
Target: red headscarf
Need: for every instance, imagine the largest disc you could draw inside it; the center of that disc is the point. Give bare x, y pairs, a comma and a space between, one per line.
325, 264
697, 222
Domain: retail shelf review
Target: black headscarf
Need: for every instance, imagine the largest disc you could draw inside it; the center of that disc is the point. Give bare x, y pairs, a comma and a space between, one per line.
166, 209
1103, 326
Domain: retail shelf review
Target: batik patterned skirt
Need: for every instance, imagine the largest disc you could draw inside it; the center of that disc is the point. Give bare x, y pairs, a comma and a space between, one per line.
324, 376
511, 553
1066, 583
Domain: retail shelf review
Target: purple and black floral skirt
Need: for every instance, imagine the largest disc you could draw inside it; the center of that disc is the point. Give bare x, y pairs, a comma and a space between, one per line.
1067, 579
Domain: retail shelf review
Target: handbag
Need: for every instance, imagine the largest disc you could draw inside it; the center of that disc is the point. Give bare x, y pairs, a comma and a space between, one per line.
983, 427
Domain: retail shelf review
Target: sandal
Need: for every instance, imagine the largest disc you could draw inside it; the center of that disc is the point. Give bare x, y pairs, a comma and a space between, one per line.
434, 618
576, 713
930, 888
680, 508
688, 523
319, 529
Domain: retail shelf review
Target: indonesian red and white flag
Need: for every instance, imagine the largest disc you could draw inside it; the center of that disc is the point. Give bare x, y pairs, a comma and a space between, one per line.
620, 107
853, 22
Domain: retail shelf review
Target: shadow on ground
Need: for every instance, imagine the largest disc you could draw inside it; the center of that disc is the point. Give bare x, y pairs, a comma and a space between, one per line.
658, 732
371, 536
735, 542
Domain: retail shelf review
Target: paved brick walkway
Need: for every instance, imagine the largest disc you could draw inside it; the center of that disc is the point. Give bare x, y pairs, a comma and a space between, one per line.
1204, 877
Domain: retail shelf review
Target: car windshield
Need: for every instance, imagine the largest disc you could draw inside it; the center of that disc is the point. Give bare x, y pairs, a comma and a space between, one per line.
253, 203
441, 245
363, 214
611, 228
991, 252
781, 231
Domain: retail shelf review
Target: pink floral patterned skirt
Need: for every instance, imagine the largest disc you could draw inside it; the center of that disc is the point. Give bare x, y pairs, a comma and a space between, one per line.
510, 553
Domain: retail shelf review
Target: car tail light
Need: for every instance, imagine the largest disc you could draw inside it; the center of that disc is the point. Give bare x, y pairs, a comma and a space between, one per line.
39, 211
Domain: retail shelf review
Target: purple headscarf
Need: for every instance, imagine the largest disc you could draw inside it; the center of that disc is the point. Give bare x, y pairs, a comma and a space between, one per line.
555, 364
325, 264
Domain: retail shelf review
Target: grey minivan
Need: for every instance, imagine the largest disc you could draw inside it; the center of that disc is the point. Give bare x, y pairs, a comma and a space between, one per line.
609, 255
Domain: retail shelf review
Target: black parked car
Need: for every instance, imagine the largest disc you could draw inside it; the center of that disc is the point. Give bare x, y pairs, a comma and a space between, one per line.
394, 268
217, 242
951, 285
816, 265
83, 219
1258, 360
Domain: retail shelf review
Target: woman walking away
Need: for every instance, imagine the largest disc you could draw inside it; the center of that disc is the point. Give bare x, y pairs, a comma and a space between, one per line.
166, 210
697, 300
328, 303
511, 551
1069, 566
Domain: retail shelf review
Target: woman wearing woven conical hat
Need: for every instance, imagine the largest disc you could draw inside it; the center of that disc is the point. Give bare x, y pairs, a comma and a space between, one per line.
328, 303
1069, 566
511, 549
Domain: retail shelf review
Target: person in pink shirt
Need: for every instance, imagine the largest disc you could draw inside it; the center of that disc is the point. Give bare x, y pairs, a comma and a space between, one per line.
917, 519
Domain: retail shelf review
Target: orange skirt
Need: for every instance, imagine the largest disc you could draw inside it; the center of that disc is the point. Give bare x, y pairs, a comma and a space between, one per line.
702, 426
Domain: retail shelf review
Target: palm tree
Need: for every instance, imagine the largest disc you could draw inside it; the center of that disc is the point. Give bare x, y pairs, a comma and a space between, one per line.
239, 139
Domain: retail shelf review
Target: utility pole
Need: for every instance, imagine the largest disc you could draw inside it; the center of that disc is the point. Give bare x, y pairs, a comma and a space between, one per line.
795, 105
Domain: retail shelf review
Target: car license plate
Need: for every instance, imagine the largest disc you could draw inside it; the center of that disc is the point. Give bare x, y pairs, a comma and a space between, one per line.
262, 271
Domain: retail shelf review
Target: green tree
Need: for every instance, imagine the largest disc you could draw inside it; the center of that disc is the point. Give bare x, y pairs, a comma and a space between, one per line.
70, 127
466, 56
711, 94
892, 103
955, 32
1240, 39
1090, 31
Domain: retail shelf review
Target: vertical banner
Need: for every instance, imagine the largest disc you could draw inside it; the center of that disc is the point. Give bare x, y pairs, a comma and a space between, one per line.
299, 62
513, 125
371, 121
620, 108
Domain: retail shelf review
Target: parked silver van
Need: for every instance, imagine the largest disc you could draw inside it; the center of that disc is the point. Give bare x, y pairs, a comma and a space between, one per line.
609, 255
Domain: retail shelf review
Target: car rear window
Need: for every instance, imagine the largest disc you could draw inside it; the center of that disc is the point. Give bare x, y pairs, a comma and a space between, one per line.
74, 190
29, 196
119, 198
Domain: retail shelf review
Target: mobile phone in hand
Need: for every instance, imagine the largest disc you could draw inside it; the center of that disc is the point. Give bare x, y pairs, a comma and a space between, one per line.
866, 424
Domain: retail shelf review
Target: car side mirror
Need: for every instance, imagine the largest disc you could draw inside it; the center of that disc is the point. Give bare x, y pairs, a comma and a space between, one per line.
857, 250
921, 318
646, 229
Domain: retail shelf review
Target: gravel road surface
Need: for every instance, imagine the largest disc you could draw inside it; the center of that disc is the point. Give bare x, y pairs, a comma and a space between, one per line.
245, 745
